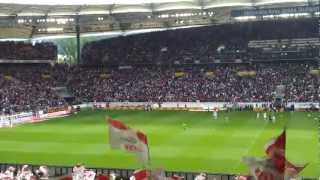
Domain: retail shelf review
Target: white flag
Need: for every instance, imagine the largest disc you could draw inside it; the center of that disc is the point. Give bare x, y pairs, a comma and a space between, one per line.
130, 140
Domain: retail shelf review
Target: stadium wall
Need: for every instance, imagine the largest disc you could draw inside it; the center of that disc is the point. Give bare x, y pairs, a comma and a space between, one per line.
31, 117
61, 172
195, 105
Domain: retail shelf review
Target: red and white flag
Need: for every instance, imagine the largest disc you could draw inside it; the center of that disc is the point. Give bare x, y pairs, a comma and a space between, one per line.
275, 166
154, 174
130, 140
293, 170
141, 174
263, 169
277, 144
276, 150
175, 177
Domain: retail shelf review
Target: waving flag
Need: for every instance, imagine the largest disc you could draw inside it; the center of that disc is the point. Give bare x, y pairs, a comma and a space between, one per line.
144, 174
275, 166
127, 139
275, 149
293, 170
141, 174
276, 145
263, 169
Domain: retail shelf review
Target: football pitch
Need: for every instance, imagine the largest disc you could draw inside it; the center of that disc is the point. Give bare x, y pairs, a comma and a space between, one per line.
208, 145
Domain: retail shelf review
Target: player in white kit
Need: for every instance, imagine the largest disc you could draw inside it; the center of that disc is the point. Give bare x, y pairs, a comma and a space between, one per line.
215, 114
258, 115
265, 115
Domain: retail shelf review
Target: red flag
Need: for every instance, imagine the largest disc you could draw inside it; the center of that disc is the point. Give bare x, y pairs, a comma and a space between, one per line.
275, 166
141, 174
295, 167
118, 124
277, 144
263, 169
130, 140
275, 150
293, 170
176, 177
102, 177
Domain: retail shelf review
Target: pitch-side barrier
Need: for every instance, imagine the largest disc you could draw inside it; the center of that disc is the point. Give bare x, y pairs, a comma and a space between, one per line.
58, 171
31, 117
191, 106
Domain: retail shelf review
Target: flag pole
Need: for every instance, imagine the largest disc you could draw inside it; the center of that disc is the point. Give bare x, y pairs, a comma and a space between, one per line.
285, 144
149, 157
148, 164
319, 146
318, 118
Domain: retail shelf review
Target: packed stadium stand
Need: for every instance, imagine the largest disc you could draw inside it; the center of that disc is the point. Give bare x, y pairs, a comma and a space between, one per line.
168, 76
27, 87
180, 66
192, 84
198, 55
205, 44
27, 51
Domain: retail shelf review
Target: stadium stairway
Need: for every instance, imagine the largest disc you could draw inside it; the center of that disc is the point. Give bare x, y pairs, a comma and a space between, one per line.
62, 91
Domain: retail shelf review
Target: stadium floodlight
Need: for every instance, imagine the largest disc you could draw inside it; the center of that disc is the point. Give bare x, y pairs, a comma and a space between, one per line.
293, 15
269, 16
244, 18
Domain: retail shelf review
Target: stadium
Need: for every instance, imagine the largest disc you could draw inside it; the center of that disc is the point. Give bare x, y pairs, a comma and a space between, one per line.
160, 89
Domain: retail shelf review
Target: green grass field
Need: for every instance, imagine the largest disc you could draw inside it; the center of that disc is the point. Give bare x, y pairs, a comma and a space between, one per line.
209, 145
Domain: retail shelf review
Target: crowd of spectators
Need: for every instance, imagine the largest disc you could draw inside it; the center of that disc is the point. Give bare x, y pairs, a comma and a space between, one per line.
28, 88
31, 87
221, 83
27, 51
201, 45
80, 172
25, 173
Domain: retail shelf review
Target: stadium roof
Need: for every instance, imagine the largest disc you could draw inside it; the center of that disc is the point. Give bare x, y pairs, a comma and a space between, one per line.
74, 7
